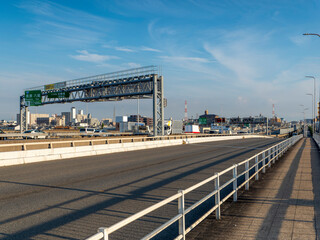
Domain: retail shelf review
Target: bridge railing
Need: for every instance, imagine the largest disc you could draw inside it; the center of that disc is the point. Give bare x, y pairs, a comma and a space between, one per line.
316, 138
242, 173
45, 144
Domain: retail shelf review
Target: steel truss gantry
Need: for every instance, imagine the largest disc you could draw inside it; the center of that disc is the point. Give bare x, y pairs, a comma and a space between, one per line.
142, 83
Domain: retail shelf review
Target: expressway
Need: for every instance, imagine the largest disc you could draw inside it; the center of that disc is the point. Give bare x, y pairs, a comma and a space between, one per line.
70, 199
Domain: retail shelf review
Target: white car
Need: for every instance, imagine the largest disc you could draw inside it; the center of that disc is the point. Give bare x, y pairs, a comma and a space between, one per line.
34, 134
100, 133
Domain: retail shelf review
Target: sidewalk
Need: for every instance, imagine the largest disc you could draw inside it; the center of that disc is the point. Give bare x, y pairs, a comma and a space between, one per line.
284, 204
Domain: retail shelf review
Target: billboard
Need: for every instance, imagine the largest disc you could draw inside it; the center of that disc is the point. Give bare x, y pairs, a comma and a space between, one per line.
33, 98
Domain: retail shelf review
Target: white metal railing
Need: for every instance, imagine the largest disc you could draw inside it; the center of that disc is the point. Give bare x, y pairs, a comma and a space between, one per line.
252, 167
90, 142
316, 138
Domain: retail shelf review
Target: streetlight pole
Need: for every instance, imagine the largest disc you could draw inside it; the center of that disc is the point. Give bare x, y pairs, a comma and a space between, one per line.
310, 94
318, 35
314, 100
304, 121
314, 34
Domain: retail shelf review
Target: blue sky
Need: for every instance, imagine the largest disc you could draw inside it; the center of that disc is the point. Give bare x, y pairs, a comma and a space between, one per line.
232, 57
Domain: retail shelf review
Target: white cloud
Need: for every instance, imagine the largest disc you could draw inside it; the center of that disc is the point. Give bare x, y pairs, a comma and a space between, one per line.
59, 24
134, 65
148, 49
158, 32
242, 100
92, 57
124, 49
184, 59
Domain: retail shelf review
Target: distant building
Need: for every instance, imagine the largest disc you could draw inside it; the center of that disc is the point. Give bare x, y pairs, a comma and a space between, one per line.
210, 118
67, 118
43, 121
73, 114
34, 117
142, 119
249, 120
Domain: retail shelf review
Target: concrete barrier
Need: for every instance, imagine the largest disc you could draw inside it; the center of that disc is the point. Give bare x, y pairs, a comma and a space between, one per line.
31, 156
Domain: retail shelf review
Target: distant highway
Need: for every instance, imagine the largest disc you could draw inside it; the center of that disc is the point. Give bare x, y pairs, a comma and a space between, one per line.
70, 199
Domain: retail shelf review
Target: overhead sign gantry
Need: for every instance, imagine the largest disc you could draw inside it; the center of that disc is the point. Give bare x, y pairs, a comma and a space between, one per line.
134, 83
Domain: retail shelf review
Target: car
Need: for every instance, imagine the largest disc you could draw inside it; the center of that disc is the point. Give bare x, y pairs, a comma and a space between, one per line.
100, 133
87, 132
34, 134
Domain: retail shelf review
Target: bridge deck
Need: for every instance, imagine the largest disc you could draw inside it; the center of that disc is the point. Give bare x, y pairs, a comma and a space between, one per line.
284, 204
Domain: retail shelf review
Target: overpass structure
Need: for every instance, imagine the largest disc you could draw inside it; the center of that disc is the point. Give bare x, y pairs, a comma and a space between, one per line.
137, 83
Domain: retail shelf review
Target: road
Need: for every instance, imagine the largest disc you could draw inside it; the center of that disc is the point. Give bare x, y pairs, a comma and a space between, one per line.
70, 199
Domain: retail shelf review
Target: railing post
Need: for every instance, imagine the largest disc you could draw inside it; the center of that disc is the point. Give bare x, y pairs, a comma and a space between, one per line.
280, 152
247, 174
264, 162
269, 158
104, 232
257, 168
274, 155
182, 226
217, 196
235, 182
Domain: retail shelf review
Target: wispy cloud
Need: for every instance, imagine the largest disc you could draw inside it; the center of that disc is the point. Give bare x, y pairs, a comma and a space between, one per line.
67, 25
148, 49
134, 65
184, 59
124, 49
160, 31
92, 57
130, 49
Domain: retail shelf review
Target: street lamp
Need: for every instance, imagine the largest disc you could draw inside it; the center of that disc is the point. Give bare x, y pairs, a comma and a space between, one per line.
310, 94
314, 34
304, 121
318, 35
314, 100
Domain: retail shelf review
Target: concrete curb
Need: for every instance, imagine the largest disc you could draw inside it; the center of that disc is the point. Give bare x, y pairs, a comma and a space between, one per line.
31, 156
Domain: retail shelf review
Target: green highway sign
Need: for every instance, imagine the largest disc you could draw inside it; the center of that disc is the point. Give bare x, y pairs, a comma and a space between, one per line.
203, 120
58, 94
33, 98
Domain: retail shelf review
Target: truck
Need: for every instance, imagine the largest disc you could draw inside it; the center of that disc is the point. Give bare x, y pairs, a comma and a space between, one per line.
173, 127
192, 129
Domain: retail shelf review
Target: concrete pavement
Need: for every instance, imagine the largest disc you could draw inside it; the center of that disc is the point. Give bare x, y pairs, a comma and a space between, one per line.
284, 204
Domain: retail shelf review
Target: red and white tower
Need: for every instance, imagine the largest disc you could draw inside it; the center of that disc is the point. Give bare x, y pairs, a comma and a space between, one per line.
185, 111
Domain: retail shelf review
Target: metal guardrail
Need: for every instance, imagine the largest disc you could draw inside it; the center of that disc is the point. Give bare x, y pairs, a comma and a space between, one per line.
252, 167
91, 142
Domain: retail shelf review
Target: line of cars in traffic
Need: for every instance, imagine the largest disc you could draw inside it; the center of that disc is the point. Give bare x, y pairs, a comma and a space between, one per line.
84, 132
92, 132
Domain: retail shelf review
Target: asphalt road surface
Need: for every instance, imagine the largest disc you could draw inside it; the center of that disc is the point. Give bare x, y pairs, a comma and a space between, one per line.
70, 199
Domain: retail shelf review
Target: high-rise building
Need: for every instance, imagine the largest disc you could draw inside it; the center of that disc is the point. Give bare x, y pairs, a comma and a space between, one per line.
73, 113
67, 117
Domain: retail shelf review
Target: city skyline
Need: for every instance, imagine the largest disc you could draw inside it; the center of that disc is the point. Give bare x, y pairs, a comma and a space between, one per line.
235, 58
